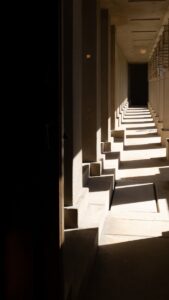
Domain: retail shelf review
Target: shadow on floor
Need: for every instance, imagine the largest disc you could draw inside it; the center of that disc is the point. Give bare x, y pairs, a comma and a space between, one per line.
145, 135
130, 117
139, 122
143, 147
144, 163
141, 128
134, 270
133, 194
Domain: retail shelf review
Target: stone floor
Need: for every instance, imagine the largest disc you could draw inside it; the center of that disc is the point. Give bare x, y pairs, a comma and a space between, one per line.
133, 254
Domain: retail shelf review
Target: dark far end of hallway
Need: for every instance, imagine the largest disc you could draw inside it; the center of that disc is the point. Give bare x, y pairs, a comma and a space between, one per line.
138, 84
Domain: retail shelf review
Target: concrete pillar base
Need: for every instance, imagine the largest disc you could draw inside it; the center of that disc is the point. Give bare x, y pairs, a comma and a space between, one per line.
167, 149
120, 119
118, 133
70, 218
164, 136
95, 168
153, 112
105, 147
156, 119
117, 122
159, 127
123, 112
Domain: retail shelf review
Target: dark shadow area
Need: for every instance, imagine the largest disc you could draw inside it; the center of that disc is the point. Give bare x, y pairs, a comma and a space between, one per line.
140, 117
133, 194
143, 147
141, 128
145, 135
139, 122
112, 155
136, 108
144, 163
79, 253
30, 235
165, 234
131, 270
103, 183
138, 84
138, 114
160, 181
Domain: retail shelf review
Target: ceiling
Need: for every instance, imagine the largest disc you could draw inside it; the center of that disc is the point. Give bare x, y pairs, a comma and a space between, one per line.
138, 25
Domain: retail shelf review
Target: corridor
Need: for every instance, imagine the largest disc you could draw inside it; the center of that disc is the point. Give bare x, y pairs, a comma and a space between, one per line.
87, 147
132, 259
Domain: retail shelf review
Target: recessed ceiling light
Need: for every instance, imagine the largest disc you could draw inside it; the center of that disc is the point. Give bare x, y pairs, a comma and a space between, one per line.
143, 51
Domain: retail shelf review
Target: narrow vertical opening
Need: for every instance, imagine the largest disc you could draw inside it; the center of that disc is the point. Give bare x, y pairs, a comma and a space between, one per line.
138, 84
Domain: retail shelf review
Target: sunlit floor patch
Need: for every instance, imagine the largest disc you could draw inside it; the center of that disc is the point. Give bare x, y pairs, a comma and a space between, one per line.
143, 154
140, 125
140, 204
144, 141
138, 172
136, 120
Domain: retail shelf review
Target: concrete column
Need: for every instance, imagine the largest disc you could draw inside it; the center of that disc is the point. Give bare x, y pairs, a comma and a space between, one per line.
105, 77
161, 102
151, 95
157, 101
165, 129
121, 80
150, 102
91, 120
117, 87
154, 98
72, 100
112, 77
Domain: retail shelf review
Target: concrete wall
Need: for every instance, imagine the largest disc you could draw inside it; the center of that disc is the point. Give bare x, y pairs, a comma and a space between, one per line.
159, 85
72, 77
91, 119
121, 84
105, 76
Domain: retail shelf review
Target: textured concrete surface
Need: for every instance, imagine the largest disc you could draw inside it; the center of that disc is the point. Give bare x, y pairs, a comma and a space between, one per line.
77, 262
131, 270
133, 256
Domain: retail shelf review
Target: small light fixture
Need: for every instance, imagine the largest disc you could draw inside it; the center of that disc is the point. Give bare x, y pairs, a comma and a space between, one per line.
88, 56
143, 51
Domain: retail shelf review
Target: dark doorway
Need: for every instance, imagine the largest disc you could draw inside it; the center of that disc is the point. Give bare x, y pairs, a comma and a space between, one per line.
138, 84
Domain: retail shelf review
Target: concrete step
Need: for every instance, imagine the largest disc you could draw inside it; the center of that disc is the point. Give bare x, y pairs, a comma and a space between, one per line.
79, 251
